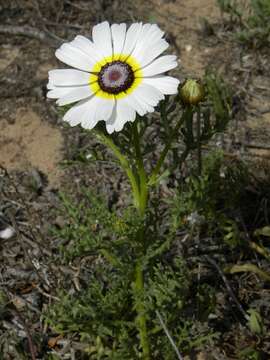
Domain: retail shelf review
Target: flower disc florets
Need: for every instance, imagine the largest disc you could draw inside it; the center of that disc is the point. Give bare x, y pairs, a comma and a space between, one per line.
115, 77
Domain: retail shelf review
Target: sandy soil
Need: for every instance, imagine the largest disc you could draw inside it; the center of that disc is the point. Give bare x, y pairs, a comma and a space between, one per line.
182, 20
31, 143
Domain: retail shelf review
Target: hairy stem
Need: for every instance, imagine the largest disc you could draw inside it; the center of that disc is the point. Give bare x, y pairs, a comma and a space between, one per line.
143, 189
139, 276
104, 139
141, 317
138, 181
199, 145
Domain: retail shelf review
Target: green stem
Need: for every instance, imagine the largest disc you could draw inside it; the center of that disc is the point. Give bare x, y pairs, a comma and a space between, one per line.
199, 145
153, 177
104, 139
141, 318
140, 194
139, 278
143, 188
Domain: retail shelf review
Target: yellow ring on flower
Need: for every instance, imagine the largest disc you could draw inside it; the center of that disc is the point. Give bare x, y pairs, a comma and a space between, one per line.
129, 60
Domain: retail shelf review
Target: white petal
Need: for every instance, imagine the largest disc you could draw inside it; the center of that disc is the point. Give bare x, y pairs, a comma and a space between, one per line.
118, 37
155, 33
150, 94
64, 77
89, 119
153, 51
160, 65
102, 38
83, 112
89, 112
146, 28
74, 115
110, 123
88, 47
165, 84
139, 106
74, 57
150, 35
76, 94
143, 102
132, 36
142, 40
121, 114
104, 109
50, 86
57, 92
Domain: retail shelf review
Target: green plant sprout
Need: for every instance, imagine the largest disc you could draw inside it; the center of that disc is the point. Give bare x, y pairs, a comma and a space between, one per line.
252, 18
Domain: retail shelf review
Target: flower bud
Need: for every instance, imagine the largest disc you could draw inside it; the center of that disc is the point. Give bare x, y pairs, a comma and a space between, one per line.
192, 92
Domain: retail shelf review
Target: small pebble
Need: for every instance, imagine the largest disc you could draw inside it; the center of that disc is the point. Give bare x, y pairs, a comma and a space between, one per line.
7, 233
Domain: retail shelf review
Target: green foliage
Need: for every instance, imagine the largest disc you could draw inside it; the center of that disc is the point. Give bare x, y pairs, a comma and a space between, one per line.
167, 291
255, 322
254, 24
188, 335
93, 229
165, 282
229, 6
102, 313
53, 357
215, 112
206, 301
265, 231
205, 201
250, 353
219, 95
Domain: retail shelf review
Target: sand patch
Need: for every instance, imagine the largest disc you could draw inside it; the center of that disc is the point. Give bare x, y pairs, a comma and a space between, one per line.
31, 143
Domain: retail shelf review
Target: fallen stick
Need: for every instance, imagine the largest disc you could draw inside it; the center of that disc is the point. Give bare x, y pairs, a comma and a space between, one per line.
32, 33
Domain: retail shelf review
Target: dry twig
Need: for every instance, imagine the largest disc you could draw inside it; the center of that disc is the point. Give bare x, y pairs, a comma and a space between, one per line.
31, 32
228, 287
168, 335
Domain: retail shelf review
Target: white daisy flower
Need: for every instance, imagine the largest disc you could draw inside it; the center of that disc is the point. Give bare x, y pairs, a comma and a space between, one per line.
118, 74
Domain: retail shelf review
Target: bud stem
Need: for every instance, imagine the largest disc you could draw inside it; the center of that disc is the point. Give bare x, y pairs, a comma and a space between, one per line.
199, 145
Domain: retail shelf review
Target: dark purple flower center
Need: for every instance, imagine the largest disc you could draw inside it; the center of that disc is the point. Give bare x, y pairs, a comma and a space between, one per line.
115, 77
